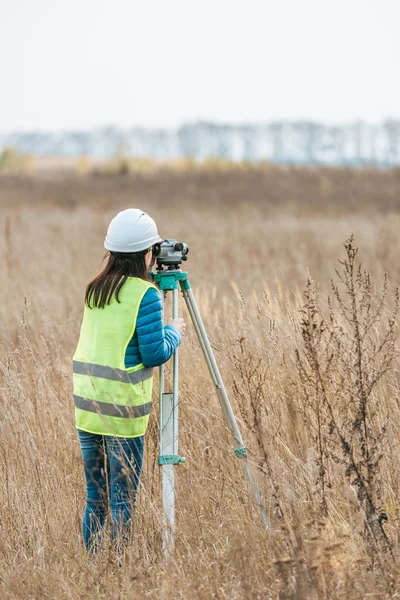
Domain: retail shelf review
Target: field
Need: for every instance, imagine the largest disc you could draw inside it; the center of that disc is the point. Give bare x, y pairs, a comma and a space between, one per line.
314, 384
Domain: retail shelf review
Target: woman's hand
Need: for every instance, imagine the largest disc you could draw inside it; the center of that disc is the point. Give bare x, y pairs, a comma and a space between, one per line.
178, 323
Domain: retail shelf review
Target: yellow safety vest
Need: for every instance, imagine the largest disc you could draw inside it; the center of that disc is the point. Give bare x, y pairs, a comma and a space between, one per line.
109, 398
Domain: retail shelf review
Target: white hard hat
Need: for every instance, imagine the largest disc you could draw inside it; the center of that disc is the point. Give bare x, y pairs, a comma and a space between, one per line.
131, 230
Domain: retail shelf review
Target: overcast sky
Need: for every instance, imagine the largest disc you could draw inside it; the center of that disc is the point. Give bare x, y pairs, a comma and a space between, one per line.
83, 63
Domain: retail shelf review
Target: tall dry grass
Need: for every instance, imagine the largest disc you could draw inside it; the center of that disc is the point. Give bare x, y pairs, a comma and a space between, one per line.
287, 359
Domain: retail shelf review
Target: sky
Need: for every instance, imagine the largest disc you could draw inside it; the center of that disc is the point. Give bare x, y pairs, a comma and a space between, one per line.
78, 64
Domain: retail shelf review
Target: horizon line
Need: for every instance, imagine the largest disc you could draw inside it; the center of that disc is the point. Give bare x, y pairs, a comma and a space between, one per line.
215, 122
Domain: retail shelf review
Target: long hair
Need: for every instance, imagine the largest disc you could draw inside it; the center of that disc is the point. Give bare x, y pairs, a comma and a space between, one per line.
109, 282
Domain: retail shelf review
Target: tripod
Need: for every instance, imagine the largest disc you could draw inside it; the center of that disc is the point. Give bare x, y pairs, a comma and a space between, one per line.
171, 280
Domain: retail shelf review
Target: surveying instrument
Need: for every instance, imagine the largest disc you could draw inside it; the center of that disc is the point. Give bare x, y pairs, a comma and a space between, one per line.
170, 278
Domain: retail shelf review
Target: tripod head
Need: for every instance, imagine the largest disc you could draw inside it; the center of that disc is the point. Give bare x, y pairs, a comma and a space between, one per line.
170, 254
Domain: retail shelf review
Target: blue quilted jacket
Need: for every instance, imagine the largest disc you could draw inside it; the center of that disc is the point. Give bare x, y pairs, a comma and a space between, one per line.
152, 344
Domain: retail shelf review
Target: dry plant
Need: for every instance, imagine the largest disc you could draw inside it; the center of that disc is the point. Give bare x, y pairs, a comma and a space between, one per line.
345, 358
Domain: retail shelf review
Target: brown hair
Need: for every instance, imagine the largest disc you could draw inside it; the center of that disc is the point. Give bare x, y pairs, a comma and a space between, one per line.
109, 282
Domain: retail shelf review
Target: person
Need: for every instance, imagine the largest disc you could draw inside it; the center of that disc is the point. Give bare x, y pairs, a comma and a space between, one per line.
122, 339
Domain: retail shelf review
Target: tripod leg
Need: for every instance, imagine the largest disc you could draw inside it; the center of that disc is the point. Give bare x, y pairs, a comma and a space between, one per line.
168, 475
175, 367
169, 447
230, 419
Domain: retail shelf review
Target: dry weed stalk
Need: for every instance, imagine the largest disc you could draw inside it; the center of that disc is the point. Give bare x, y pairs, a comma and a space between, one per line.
343, 360
249, 390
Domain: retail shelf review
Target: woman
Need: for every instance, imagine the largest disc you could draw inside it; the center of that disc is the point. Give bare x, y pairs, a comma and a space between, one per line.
122, 338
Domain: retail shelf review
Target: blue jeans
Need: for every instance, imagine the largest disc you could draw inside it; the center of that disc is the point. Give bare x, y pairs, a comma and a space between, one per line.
112, 470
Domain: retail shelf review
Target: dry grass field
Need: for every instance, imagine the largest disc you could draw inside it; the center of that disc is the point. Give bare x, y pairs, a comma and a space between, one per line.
314, 384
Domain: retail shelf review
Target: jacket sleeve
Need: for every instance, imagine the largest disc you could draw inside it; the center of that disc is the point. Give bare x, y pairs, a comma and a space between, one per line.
156, 343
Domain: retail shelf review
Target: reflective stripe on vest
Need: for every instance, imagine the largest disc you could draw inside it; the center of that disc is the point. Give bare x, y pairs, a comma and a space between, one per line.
83, 368
112, 410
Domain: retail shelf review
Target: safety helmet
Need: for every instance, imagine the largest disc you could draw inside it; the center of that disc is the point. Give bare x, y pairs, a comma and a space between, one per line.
131, 230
